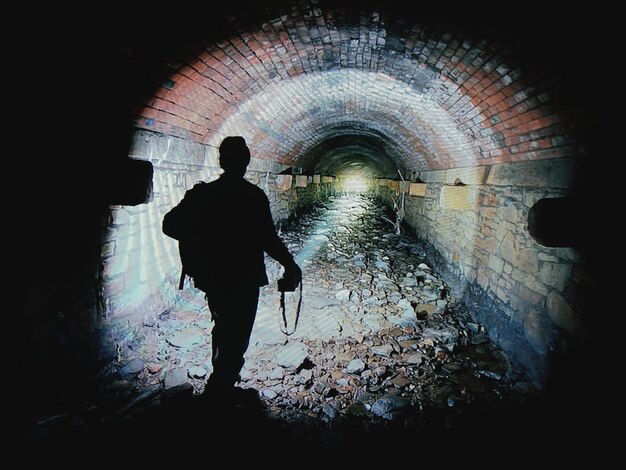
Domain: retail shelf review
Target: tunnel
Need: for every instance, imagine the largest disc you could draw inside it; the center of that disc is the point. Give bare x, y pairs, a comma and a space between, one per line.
429, 170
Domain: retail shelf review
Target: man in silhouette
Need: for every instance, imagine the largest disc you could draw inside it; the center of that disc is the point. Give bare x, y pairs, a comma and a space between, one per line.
224, 228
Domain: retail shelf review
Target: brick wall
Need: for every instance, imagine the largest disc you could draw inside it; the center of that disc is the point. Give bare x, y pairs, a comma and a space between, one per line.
527, 295
303, 72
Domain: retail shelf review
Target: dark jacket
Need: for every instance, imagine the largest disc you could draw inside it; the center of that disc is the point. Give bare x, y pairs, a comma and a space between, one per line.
223, 228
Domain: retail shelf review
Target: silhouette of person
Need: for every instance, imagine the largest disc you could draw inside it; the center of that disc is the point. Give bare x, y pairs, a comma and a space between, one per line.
224, 228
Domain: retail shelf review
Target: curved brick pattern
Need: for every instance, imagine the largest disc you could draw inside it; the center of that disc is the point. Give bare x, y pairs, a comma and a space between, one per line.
446, 98
415, 131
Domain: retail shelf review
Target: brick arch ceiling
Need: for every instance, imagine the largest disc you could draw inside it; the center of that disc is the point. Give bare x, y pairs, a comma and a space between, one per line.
416, 97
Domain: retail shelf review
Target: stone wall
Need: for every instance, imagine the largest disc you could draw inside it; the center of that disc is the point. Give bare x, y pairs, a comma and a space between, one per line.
141, 264
473, 223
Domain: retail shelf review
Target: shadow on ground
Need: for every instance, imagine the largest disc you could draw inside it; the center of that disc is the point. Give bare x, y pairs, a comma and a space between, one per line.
201, 428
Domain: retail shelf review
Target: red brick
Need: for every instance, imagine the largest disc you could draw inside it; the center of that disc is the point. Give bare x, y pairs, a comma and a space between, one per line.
213, 84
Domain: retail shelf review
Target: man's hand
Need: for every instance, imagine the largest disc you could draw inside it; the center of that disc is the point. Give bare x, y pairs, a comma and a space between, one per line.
293, 273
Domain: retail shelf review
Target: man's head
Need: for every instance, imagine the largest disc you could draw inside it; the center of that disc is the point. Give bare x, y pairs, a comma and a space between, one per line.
234, 155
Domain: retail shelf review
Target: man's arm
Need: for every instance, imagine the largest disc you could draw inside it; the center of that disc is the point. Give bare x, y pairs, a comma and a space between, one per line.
274, 246
177, 222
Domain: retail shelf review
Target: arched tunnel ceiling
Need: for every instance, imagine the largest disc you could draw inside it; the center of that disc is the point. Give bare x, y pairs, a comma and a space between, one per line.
344, 149
291, 118
291, 81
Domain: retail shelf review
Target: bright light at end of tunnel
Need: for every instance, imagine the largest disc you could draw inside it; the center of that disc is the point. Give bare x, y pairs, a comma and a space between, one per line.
355, 183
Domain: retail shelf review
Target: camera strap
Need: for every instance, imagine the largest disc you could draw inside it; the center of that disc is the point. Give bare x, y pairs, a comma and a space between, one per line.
284, 327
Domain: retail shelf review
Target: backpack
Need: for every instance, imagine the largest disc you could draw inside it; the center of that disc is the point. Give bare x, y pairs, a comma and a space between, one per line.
181, 223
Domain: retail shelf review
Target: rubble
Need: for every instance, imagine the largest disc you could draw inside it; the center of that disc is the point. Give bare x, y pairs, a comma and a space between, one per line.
379, 335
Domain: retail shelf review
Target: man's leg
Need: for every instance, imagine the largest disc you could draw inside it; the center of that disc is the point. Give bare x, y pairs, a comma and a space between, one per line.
234, 311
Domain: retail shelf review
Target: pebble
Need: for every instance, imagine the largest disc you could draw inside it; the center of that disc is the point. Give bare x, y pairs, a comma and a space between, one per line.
186, 339
292, 355
343, 295
384, 350
277, 373
389, 403
329, 410
155, 368
269, 394
356, 366
196, 372
175, 377
132, 368
414, 358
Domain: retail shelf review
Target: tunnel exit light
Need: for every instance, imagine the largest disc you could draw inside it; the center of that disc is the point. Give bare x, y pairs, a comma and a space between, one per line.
355, 184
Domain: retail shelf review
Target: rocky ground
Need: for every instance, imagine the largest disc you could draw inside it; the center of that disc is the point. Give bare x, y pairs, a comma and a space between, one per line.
381, 348
379, 331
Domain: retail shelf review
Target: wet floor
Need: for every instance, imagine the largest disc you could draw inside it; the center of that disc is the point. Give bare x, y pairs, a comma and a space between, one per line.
380, 346
379, 332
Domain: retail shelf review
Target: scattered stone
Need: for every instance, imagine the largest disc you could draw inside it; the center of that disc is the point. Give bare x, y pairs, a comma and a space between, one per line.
366, 295
343, 295
292, 355
415, 358
269, 394
187, 338
382, 265
196, 372
385, 350
343, 382
132, 368
175, 378
356, 366
444, 334
319, 302
277, 373
370, 300
400, 381
306, 375
427, 309
407, 319
380, 371
387, 404
322, 388
408, 343
154, 368
358, 409
441, 352
329, 410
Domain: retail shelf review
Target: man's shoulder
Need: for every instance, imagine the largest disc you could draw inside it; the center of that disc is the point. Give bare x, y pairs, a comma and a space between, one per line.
253, 187
204, 189
199, 188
